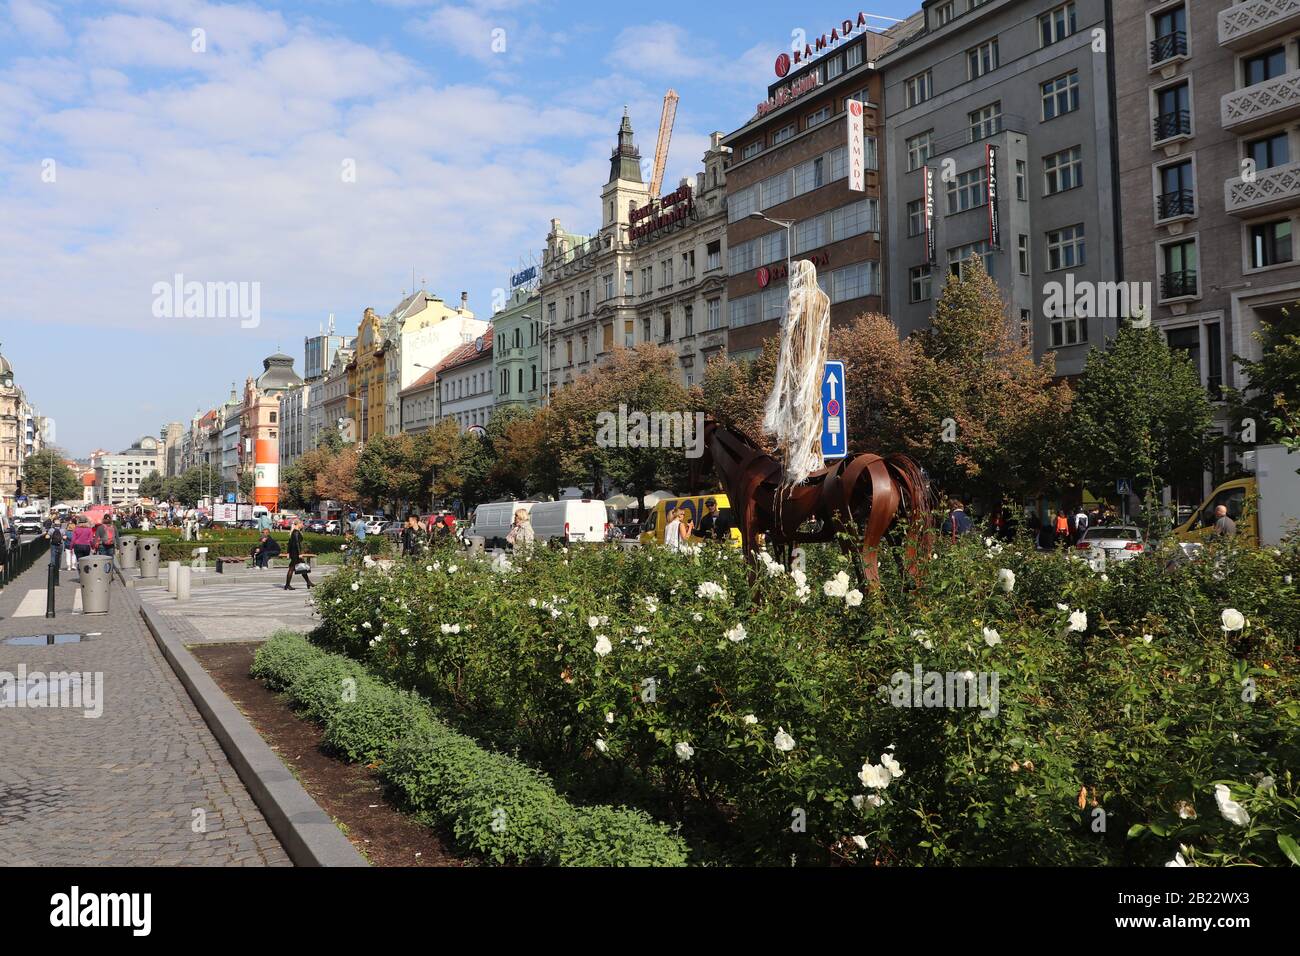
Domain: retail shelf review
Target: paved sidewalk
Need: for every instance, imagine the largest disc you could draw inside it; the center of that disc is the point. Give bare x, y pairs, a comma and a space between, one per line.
130, 787
252, 608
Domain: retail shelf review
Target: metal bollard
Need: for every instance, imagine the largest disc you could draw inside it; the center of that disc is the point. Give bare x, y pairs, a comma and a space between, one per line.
51, 582
173, 574
183, 584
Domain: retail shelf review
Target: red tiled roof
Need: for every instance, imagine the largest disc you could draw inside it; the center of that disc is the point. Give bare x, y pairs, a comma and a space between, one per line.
467, 353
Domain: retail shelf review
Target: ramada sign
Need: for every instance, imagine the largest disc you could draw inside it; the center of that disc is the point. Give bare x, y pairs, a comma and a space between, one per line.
824, 42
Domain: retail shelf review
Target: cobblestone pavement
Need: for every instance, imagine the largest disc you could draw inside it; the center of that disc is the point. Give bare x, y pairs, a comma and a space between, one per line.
130, 787
236, 613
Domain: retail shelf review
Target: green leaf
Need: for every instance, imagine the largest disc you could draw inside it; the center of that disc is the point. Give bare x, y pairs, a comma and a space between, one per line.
1289, 847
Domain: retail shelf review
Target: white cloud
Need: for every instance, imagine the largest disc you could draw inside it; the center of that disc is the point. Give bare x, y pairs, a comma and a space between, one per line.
37, 23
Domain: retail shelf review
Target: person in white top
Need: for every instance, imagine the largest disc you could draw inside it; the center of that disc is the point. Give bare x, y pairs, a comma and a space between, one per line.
673, 532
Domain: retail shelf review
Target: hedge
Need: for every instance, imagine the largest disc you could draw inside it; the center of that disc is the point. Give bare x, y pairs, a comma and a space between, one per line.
491, 803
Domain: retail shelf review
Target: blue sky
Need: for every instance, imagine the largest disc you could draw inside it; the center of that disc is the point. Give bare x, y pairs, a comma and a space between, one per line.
128, 156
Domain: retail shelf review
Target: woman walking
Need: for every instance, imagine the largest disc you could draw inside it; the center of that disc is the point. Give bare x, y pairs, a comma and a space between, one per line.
673, 532
521, 534
295, 557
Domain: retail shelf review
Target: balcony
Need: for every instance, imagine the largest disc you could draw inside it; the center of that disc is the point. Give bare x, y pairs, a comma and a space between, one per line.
1243, 25
1176, 204
1169, 46
1272, 190
1175, 285
1273, 101
1169, 125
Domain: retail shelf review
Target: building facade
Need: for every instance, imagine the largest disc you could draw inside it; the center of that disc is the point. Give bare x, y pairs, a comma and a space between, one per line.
318, 351
295, 431
418, 334
118, 477
517, 350
791, 162
1210, 184
11, 441
330, 402
654, 272
1009, 98
464, 384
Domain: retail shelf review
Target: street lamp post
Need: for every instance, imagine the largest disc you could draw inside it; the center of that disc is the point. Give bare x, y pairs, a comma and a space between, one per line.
789, 239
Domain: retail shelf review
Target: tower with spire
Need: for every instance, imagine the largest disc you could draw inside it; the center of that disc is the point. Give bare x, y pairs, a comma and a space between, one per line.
626, 188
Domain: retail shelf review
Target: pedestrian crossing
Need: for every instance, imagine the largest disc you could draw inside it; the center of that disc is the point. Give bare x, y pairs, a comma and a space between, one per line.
34, 602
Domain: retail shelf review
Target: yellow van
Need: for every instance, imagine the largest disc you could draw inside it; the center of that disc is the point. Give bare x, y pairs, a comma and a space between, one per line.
652, 531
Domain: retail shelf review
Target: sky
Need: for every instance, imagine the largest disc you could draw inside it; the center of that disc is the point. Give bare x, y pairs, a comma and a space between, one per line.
317, 156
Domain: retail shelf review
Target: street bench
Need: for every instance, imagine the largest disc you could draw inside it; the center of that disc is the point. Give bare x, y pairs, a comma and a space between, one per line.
223, 563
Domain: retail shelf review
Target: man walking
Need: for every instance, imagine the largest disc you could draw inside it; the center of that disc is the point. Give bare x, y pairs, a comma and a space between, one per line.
1224, 527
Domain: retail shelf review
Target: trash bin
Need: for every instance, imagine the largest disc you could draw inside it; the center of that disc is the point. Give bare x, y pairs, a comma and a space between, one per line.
93, 570
126, 552
149, 557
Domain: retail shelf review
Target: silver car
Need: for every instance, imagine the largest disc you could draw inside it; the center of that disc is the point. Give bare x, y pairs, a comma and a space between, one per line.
1112, 542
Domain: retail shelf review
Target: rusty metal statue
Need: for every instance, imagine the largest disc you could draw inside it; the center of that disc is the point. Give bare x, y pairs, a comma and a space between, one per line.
866, 495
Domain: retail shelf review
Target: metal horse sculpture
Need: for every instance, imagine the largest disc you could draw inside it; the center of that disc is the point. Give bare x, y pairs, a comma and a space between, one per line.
863, 494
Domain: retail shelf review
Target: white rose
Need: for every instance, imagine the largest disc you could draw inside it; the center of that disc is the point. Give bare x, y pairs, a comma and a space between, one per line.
861, 841
853, 598
737, 634
601, 745
684, 751
1006, 580
593, 622
1078, 620
1148, 638
783, 741
874, 776
356, 586
1231, 810
1233, 620
1177, 860
991, 637
603, 646
751, 719
889, 763
609, 717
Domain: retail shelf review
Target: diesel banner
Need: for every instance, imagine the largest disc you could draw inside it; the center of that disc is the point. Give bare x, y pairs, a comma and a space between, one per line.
995, 227
928, 181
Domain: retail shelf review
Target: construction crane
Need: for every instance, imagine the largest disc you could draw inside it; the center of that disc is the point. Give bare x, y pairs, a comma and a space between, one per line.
666, 119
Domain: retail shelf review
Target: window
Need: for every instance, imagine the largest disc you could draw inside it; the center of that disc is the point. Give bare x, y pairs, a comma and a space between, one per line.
1022, 254
918, 283
960, 257
834, 67
776, 190
1177, 196
943, 14
855, 281
1170, 29
647, 279
750, 150
811, 233
1178, 275
741, 203
870, 154
982, 59
916, 217
667, 319
809, 176
585, 301
1069, 331
1055, 25
1214, 360
667, 272
1173, 111
609, 286
772, 246
1065, 248
772, 302
781, 135
862, 216
714, 256
916, 89
713, 315
744, 257
919, 149
688, 264
985, 122
1270, 243
1268, 151
853, 57
645, 329
744, 311
1063, 170
1060, 95
550, 312
968, 190
1022, 180
627, 282
820, 116
1263, 66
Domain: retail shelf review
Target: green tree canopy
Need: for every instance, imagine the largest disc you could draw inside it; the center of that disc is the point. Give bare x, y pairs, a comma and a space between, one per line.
37, 470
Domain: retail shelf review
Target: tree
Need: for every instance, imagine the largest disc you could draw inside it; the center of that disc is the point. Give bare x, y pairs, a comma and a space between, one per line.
246, 485
37, 472
337, 478
151, 486
1140, 413
200, 481
1271, 400
392, 469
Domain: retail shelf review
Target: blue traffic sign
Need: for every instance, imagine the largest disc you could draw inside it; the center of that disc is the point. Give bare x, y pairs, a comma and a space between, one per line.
230, 499
1123, 487
835, 433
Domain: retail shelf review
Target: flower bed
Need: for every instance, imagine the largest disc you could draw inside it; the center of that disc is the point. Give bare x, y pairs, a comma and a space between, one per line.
491, 803
797, 718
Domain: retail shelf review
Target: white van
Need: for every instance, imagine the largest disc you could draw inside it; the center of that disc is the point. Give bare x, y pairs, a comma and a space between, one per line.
570, 520
492, 521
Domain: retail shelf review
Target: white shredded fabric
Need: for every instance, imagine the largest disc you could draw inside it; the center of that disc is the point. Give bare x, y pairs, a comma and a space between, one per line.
793, 413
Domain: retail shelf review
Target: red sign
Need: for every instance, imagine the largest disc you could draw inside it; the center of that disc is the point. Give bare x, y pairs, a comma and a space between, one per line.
833, 408
821, 44
764, 277
672, 208
791, 92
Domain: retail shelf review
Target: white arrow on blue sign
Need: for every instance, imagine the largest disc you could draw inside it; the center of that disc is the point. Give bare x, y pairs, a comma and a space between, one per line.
835, 433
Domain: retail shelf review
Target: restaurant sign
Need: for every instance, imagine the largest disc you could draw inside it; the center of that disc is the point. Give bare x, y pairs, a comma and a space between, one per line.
791, 92
673, 208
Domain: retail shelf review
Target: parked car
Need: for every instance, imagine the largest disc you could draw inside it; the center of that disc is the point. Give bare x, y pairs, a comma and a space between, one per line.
285, 521
1113, 542
316, 526
28, 524
374, 524
393, 529
570, 520
333, 526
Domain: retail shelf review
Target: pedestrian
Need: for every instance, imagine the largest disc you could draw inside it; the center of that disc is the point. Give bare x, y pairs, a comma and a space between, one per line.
1080, 524
264, 521
713, 526
69, 554
412, 537
83, 538
688, 526
1224, 527
957, 521
521, 535
296, 563
673, 531
358, 526
54, 535
105, 535
1061, 526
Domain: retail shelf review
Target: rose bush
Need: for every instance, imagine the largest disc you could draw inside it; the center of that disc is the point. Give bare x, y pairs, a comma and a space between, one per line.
771, 715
